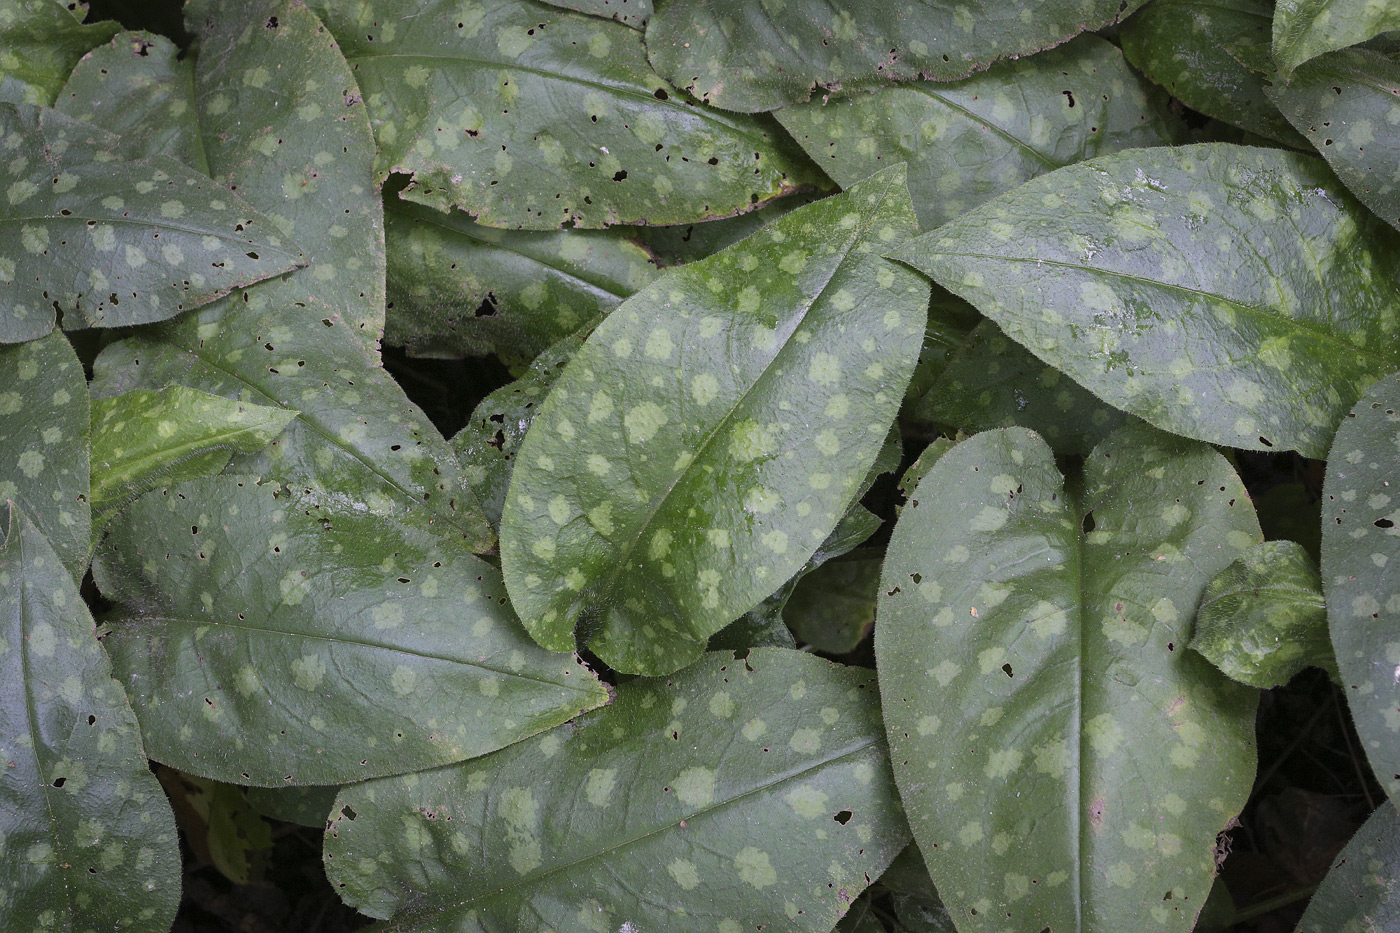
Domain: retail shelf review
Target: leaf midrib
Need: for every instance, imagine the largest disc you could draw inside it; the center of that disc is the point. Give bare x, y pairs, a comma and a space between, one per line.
973, 117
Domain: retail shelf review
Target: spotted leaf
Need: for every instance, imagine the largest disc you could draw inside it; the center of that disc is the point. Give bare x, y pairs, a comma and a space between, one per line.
530, 116
44, 40
144, 439
712, 431
112, 242
44, 461
1361, 892
664, 788
1304, 29
752, 55
1339, 102
1213, 57
1262, 619
1360, 564
967, 141
274, 638
87, 839
1042, 637
632, 12
1235, 295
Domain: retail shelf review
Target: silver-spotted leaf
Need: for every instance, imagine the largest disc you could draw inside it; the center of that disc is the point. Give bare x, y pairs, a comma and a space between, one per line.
1018, 651
143, 439
1339, 102
1213, 57
682, 243
540, 286
711, 432
1361, 893
87, 840
642, 816
632, 12
970, 140
111, 242
1262, 619
752, 55
44, 40
1236, 295
309, 805
530, 116
1361, 571
1304, 29
274, 638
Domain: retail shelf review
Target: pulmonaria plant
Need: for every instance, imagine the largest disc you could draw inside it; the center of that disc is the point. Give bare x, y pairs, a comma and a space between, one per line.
631, 650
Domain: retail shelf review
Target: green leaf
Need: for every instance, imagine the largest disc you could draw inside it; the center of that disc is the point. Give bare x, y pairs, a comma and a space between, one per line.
144, 439
1054, 662
43, 41
220, 825
632, 12
297, 640
87, 841
541, 285
1360, 560
950, 320
1212, 56
1262, 619
683, 243
672, 478
1304, 29
139, 87
44, 428
115, 242
970, 140
1239, 296
751, 56
642, 816
833, 607
994, 382
1338, 102
306, 806
529, 116
1360, 892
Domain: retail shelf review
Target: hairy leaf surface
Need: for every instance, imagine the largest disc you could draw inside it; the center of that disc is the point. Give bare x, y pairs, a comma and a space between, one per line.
296, 640
970, 140
1304, 29
1362, 891
87, 840
1361, 571
1236, 295
1055, 662
1262, 619
643, 814
111, 242
673, 477
750, 55
44, 428
530, 116
44, 41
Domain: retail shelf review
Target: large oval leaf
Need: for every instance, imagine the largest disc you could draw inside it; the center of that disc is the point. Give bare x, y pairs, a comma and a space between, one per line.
1361, 893
297, 640
1236, 295
1017, 652
970, 140
87, 840
44, 40
753, 55
112, 242
1304, 29
44, 430
1361, 571
672, 478
642, 816
530, 116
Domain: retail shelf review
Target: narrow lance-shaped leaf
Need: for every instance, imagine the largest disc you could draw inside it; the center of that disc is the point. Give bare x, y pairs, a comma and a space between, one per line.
1017, 650
1236, 295
672, 479
87, 841
1360, 893
1340, 102
44, 429
1361, 572
750, 55
1262, 619
970, 140
43, 41
111, 242
642, 816
529, 116
1304, 29
144, 439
